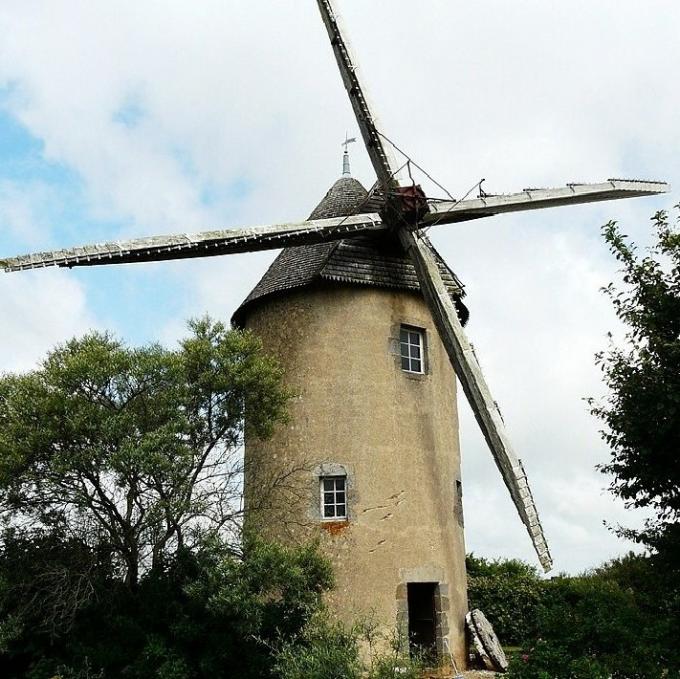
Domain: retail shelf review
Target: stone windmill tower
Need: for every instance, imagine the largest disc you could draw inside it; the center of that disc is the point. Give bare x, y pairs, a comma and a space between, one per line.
373, 430
368, 321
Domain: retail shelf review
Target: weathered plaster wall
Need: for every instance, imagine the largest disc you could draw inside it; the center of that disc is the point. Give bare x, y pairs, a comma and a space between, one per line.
395, 434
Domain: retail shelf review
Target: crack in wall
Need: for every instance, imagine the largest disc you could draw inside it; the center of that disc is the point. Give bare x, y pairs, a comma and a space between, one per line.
397, 499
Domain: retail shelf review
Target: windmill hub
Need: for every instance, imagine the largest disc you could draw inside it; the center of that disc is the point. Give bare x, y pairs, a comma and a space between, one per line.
407, 206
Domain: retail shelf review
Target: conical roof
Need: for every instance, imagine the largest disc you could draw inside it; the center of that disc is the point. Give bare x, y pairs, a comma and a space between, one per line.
376, 260
344, 198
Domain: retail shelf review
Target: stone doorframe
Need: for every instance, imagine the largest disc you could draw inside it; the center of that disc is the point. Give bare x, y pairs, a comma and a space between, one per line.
441, 605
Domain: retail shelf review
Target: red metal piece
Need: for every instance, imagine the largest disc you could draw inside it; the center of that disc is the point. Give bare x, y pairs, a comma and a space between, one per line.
411, 203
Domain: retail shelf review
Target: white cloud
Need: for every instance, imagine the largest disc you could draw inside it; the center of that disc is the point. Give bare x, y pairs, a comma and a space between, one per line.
230, 94
17, 210
37, 311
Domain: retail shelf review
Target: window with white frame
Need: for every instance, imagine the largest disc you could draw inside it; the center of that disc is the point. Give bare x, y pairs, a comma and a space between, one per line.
334, 498
412, 348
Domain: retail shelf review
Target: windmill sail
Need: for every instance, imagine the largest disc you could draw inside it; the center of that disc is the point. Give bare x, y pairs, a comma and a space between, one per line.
447, 212
381, 158
474, 385
434, 291
206, 244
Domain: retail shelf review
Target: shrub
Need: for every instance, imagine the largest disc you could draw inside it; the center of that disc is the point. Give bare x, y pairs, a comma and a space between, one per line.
509, 592
203, 614
612, 622
328, 650
325, 650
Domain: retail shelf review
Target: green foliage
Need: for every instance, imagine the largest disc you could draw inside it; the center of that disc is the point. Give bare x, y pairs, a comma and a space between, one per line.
389, 656
596, 620
328, 650
396, 665
612, 622
642, 414
45, 580
325, 650
201, 614
136, 449
121, 553
547, 660
121, 477
509, 592
623, 620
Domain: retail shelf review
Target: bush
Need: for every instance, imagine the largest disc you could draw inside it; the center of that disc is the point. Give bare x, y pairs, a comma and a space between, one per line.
613, 622
508, 592
203, 614
547, 660
327, 650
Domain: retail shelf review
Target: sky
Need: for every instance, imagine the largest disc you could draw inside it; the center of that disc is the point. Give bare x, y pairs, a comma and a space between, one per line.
148, 117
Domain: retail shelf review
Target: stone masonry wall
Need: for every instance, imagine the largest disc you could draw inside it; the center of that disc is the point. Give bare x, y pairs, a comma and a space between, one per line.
393, 434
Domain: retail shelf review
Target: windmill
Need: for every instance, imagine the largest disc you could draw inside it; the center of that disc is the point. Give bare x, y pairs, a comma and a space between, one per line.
399, 213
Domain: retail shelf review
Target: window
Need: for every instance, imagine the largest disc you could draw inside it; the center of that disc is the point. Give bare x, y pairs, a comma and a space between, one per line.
411, 341
333, 498
459, 503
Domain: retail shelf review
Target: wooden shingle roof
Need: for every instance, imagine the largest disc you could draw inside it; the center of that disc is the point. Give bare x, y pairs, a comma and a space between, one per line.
375, 260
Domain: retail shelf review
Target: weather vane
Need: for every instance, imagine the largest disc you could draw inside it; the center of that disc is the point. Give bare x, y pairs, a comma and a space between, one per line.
345, 156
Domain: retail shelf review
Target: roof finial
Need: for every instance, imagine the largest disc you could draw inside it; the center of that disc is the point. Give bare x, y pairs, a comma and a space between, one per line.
345, 155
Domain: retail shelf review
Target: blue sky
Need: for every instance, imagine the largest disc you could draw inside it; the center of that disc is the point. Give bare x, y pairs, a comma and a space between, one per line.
62, 208
120, 120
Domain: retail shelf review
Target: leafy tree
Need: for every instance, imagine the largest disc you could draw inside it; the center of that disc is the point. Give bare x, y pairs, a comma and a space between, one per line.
121, 545
642, 413
621, 621
135, 451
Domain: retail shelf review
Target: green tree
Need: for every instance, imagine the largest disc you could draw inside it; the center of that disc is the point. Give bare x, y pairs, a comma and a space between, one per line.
121, 549
135, 451
622, 620
642, 413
